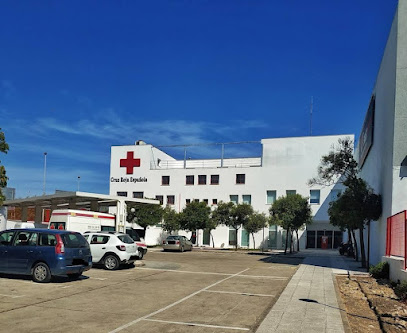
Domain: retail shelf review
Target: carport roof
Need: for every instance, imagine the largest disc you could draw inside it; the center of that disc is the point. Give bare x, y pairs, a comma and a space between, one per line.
62, 198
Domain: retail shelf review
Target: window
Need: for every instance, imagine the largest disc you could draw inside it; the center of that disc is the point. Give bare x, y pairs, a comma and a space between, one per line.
122, 194
214, 179
214, 201
189, 180
271, 197
196, 200
290, 192
240, 178
206, 201
247, 199
234, 198
139, 195
6, 237
314, 196
232, 236
188, 201
165, 180
160, 198
47, 240
170, 199
335, 194
99, 239
202, 180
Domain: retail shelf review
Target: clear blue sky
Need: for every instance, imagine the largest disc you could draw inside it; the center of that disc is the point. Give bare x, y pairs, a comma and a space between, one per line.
77, 77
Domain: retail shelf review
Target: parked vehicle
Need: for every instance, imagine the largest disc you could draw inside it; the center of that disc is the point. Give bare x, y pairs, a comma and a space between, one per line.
346, 249
81, 220
112, 249
177, 243
43, 253
141, 244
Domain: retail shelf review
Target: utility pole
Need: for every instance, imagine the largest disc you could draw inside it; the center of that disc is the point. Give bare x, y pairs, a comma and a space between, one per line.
45, 171
310, 118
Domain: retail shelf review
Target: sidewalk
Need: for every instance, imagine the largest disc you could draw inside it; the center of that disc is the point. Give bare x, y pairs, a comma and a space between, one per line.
309, 302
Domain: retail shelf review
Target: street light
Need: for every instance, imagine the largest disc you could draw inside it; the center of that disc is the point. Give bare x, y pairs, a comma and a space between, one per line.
79, 180
45, 171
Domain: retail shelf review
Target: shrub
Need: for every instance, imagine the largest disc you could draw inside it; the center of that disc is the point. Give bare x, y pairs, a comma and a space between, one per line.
380, 271
401, 290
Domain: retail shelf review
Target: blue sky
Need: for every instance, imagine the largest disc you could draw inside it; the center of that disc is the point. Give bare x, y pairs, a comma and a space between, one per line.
77, 77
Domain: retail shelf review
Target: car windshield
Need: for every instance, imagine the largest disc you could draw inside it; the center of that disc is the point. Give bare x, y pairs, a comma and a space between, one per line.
74, 240
173, 237
126, 239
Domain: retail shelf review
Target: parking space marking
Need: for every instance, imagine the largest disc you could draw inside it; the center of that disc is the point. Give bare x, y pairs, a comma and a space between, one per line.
237, 293
175, 303
189, 272
200, 325
12, 296
273, 277
96, 278
265, 277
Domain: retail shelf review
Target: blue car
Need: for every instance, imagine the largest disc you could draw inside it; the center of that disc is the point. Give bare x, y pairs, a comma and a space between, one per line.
43, 253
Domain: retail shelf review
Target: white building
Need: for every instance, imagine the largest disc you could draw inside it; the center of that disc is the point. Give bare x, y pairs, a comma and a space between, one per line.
383, 143
284, 165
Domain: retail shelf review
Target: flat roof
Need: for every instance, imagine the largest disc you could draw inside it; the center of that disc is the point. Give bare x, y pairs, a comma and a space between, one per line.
80, 198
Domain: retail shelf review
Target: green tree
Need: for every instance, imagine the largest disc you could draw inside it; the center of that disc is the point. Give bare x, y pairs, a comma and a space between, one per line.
3, 177
194, 216
255, 223
355, 209
170, 220
338, 166
290, 213
144, 214
359, 204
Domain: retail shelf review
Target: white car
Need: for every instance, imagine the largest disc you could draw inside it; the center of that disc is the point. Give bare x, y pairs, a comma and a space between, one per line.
111, 249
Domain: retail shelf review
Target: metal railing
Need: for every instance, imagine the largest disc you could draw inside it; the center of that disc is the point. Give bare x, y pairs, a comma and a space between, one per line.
216, 163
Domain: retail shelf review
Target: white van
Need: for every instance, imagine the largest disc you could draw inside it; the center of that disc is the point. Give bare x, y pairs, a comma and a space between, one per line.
81, 220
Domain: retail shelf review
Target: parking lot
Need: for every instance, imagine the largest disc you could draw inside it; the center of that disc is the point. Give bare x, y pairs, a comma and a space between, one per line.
193, 291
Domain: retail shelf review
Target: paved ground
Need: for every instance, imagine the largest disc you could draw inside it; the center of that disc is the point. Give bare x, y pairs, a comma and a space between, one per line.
174, 292
309, 302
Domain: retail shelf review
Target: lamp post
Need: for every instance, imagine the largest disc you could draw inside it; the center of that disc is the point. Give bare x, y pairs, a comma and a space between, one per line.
45, 171
79, 180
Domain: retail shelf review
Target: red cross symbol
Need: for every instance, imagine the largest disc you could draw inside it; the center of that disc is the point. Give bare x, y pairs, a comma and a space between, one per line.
130, 162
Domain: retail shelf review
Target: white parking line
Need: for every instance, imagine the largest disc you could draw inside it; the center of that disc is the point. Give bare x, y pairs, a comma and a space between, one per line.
200, 325
237, 293
96, 278
189, 272
213, 273
173, 304
12, 296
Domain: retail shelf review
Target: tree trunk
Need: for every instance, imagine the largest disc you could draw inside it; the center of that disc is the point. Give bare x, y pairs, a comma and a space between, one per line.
356, 246
291, 241
349, 237
298, 241
236, 240
362, 248
286, 241
213, 242
254, 243
368, 246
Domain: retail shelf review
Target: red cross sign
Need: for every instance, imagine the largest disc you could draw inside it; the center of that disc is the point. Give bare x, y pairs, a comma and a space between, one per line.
130, 162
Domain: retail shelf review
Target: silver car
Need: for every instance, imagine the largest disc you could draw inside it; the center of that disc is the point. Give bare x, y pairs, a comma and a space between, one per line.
177, 243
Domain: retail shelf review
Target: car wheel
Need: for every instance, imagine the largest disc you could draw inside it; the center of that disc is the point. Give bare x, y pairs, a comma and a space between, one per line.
182, 249
111, 262
74, 276
140, 254
41, 273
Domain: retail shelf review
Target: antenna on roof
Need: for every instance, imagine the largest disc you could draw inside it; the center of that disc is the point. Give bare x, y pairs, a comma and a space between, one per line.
310, 116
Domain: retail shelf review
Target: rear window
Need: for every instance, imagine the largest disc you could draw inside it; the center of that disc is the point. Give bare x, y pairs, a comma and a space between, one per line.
74, 240
47, 240
126, 239
133, 234
173, 237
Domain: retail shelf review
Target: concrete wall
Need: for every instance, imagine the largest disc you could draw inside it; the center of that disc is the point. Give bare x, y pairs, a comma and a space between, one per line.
382, 169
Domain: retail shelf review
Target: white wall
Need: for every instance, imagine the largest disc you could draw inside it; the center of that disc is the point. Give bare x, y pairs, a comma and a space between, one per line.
288, 164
